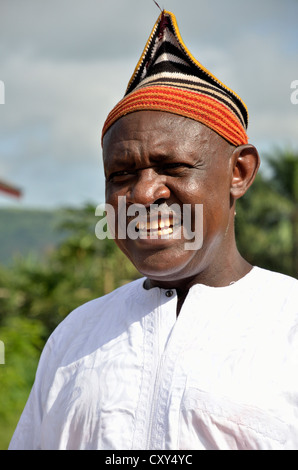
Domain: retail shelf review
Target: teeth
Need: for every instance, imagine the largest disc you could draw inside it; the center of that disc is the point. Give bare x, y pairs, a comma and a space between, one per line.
163, 227
165, 231
152, 225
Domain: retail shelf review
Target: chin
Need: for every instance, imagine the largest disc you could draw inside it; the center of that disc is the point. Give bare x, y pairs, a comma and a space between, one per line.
165, 269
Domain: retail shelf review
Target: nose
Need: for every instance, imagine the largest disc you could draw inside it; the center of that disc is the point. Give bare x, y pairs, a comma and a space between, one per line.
148, 188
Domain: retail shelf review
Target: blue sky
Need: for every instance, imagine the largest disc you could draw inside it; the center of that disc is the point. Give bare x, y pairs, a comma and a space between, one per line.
66, 63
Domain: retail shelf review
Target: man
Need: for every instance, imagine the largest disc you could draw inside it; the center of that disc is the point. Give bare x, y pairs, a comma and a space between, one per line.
202, 352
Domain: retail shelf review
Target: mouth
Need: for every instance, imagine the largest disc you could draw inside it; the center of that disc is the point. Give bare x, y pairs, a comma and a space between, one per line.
161, 226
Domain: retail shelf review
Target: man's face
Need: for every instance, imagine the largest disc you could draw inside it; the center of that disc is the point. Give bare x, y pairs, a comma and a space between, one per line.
159, 158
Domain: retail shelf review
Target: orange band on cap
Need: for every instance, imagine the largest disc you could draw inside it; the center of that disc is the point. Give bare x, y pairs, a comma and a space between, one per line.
197, 106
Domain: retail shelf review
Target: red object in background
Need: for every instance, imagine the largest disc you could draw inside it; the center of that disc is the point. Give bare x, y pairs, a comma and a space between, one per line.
9, 189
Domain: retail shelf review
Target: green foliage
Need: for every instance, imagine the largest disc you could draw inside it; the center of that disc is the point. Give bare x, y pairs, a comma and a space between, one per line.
284, 173
267, 220
36, 293
23, 344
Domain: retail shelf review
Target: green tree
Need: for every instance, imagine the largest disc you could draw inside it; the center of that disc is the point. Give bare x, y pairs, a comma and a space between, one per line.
266, 220
23, 343
284, 178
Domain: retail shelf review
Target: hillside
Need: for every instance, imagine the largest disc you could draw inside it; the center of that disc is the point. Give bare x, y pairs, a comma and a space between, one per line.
27, 231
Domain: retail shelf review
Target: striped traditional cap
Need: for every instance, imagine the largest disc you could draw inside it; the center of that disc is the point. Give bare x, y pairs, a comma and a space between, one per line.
168, 78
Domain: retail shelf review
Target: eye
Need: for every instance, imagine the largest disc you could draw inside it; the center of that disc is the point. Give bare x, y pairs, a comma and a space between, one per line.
175, 168
119, 176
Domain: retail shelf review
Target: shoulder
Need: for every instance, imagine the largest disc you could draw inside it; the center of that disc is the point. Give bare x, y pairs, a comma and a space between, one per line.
270, 279
275, 289
108, 304
93, 321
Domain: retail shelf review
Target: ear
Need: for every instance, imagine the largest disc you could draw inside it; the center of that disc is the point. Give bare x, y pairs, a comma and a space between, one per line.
246, 161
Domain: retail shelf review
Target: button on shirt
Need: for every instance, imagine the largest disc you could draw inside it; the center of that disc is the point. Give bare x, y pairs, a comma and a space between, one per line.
123, 372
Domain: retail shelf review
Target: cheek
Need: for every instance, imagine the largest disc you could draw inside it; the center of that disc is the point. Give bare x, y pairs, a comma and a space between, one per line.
189, 191
213, 194
114, 196
111, 194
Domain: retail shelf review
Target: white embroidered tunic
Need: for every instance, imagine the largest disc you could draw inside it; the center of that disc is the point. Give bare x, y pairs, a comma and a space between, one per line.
123, 372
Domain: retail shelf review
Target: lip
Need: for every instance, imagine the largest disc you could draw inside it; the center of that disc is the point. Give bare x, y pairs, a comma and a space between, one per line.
159, 236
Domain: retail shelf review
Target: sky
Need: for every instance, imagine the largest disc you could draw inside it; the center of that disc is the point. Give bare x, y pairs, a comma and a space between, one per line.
66, 63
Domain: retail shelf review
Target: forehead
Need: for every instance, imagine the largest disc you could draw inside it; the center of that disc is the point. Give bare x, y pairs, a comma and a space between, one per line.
154, 133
